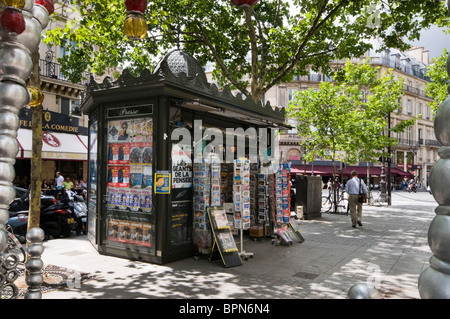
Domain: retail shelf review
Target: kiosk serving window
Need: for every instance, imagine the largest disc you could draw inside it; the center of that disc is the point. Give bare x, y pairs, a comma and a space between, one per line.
129, 182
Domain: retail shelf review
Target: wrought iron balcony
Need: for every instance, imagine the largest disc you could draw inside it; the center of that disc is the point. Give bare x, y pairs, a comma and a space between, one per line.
415, 90
406, 142
432, 143
400, 65
52, 70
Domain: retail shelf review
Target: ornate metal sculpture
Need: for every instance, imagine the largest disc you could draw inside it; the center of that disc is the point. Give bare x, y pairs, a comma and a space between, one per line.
434, 282
34, 280
363, 291
8, 272
15, 68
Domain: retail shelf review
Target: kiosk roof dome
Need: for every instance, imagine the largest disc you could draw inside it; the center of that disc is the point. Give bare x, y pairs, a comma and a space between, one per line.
178, 61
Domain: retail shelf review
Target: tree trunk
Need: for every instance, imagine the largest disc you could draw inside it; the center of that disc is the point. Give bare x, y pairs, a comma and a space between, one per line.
36, 161
255, 86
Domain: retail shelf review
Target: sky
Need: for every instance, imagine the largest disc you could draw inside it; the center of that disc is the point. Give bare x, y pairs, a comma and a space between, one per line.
434, 40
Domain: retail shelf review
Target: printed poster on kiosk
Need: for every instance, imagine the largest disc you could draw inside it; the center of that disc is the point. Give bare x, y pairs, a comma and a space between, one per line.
162, 182
129, 173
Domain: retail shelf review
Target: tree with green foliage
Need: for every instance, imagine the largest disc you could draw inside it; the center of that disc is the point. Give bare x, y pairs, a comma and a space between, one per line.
437, 88
346, 119
253, 49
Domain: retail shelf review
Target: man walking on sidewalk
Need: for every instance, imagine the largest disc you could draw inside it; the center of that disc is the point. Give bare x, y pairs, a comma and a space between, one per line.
353, 188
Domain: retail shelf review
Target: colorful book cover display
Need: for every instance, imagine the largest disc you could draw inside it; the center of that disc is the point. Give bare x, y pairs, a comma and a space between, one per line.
249, 195
129, 175
130, 232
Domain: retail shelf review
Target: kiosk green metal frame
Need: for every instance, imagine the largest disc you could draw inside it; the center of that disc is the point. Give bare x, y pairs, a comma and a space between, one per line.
175, 95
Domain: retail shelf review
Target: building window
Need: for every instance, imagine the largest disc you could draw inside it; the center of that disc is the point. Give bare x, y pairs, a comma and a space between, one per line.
409, 107
293, 155
419, 110
293, 123
71, 107
64, 51
409, 135
291, 94
428, 112
75, 108
65, 106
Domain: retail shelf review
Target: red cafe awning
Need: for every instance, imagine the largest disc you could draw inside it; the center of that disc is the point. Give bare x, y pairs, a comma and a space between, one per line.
328, 170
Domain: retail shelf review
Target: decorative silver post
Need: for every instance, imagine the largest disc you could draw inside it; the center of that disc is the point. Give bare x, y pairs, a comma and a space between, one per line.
34, 265
434, 282
363, 291
15, 69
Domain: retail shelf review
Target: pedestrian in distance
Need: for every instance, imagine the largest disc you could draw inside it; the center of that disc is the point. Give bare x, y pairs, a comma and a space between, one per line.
59, 183
354, 187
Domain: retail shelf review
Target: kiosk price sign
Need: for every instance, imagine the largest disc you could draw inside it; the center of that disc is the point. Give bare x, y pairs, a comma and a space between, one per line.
162, 182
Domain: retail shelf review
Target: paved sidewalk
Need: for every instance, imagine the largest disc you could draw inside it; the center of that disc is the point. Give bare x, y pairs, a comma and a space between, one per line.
390, 250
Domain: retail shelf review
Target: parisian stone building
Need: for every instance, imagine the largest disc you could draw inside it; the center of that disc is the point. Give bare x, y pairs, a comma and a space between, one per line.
417, 149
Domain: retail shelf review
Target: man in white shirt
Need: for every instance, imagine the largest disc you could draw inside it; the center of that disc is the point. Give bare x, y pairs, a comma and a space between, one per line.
352, 188
59, 183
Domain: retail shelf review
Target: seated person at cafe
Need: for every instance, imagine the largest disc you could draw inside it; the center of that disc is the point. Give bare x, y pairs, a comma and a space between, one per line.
68, 185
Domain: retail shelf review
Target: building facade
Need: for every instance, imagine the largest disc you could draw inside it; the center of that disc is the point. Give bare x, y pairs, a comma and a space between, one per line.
64, 126
416, 151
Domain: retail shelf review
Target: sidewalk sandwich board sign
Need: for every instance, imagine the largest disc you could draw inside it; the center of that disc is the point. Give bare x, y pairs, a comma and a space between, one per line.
224, 246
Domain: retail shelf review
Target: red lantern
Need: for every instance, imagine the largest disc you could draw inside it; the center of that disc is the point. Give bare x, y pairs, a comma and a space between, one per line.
48, 4
244, 3
12, 20
136, 5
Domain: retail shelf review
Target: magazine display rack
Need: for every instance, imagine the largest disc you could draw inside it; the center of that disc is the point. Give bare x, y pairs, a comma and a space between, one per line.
224, 246
242, 200
282, 192
206, 194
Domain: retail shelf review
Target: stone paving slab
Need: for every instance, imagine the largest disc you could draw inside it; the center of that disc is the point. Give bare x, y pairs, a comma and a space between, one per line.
390, 250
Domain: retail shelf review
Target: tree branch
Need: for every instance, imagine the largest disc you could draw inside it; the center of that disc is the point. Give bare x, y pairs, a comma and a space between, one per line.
288, 66
205, 39
254, 52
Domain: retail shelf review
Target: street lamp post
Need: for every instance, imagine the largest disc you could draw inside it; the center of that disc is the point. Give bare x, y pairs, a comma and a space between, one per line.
383, 181
21, 24
413, 152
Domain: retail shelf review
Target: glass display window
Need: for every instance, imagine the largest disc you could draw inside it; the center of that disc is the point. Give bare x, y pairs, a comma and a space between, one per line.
129, 182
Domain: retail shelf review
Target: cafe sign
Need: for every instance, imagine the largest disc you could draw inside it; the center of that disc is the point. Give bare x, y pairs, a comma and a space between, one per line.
52, 121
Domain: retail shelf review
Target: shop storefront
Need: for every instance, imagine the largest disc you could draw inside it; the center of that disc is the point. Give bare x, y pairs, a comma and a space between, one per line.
162, 155
64, 145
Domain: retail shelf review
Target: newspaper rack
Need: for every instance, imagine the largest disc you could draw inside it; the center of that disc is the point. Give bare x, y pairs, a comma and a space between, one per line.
224, 246
293, 227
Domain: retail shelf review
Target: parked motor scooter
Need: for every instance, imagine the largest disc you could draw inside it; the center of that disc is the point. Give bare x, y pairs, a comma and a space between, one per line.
58, 220
19, 223
79, 208
19, 211
412, 187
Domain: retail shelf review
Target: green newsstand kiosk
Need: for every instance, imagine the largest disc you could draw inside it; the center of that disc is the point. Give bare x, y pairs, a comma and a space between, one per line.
140, 195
